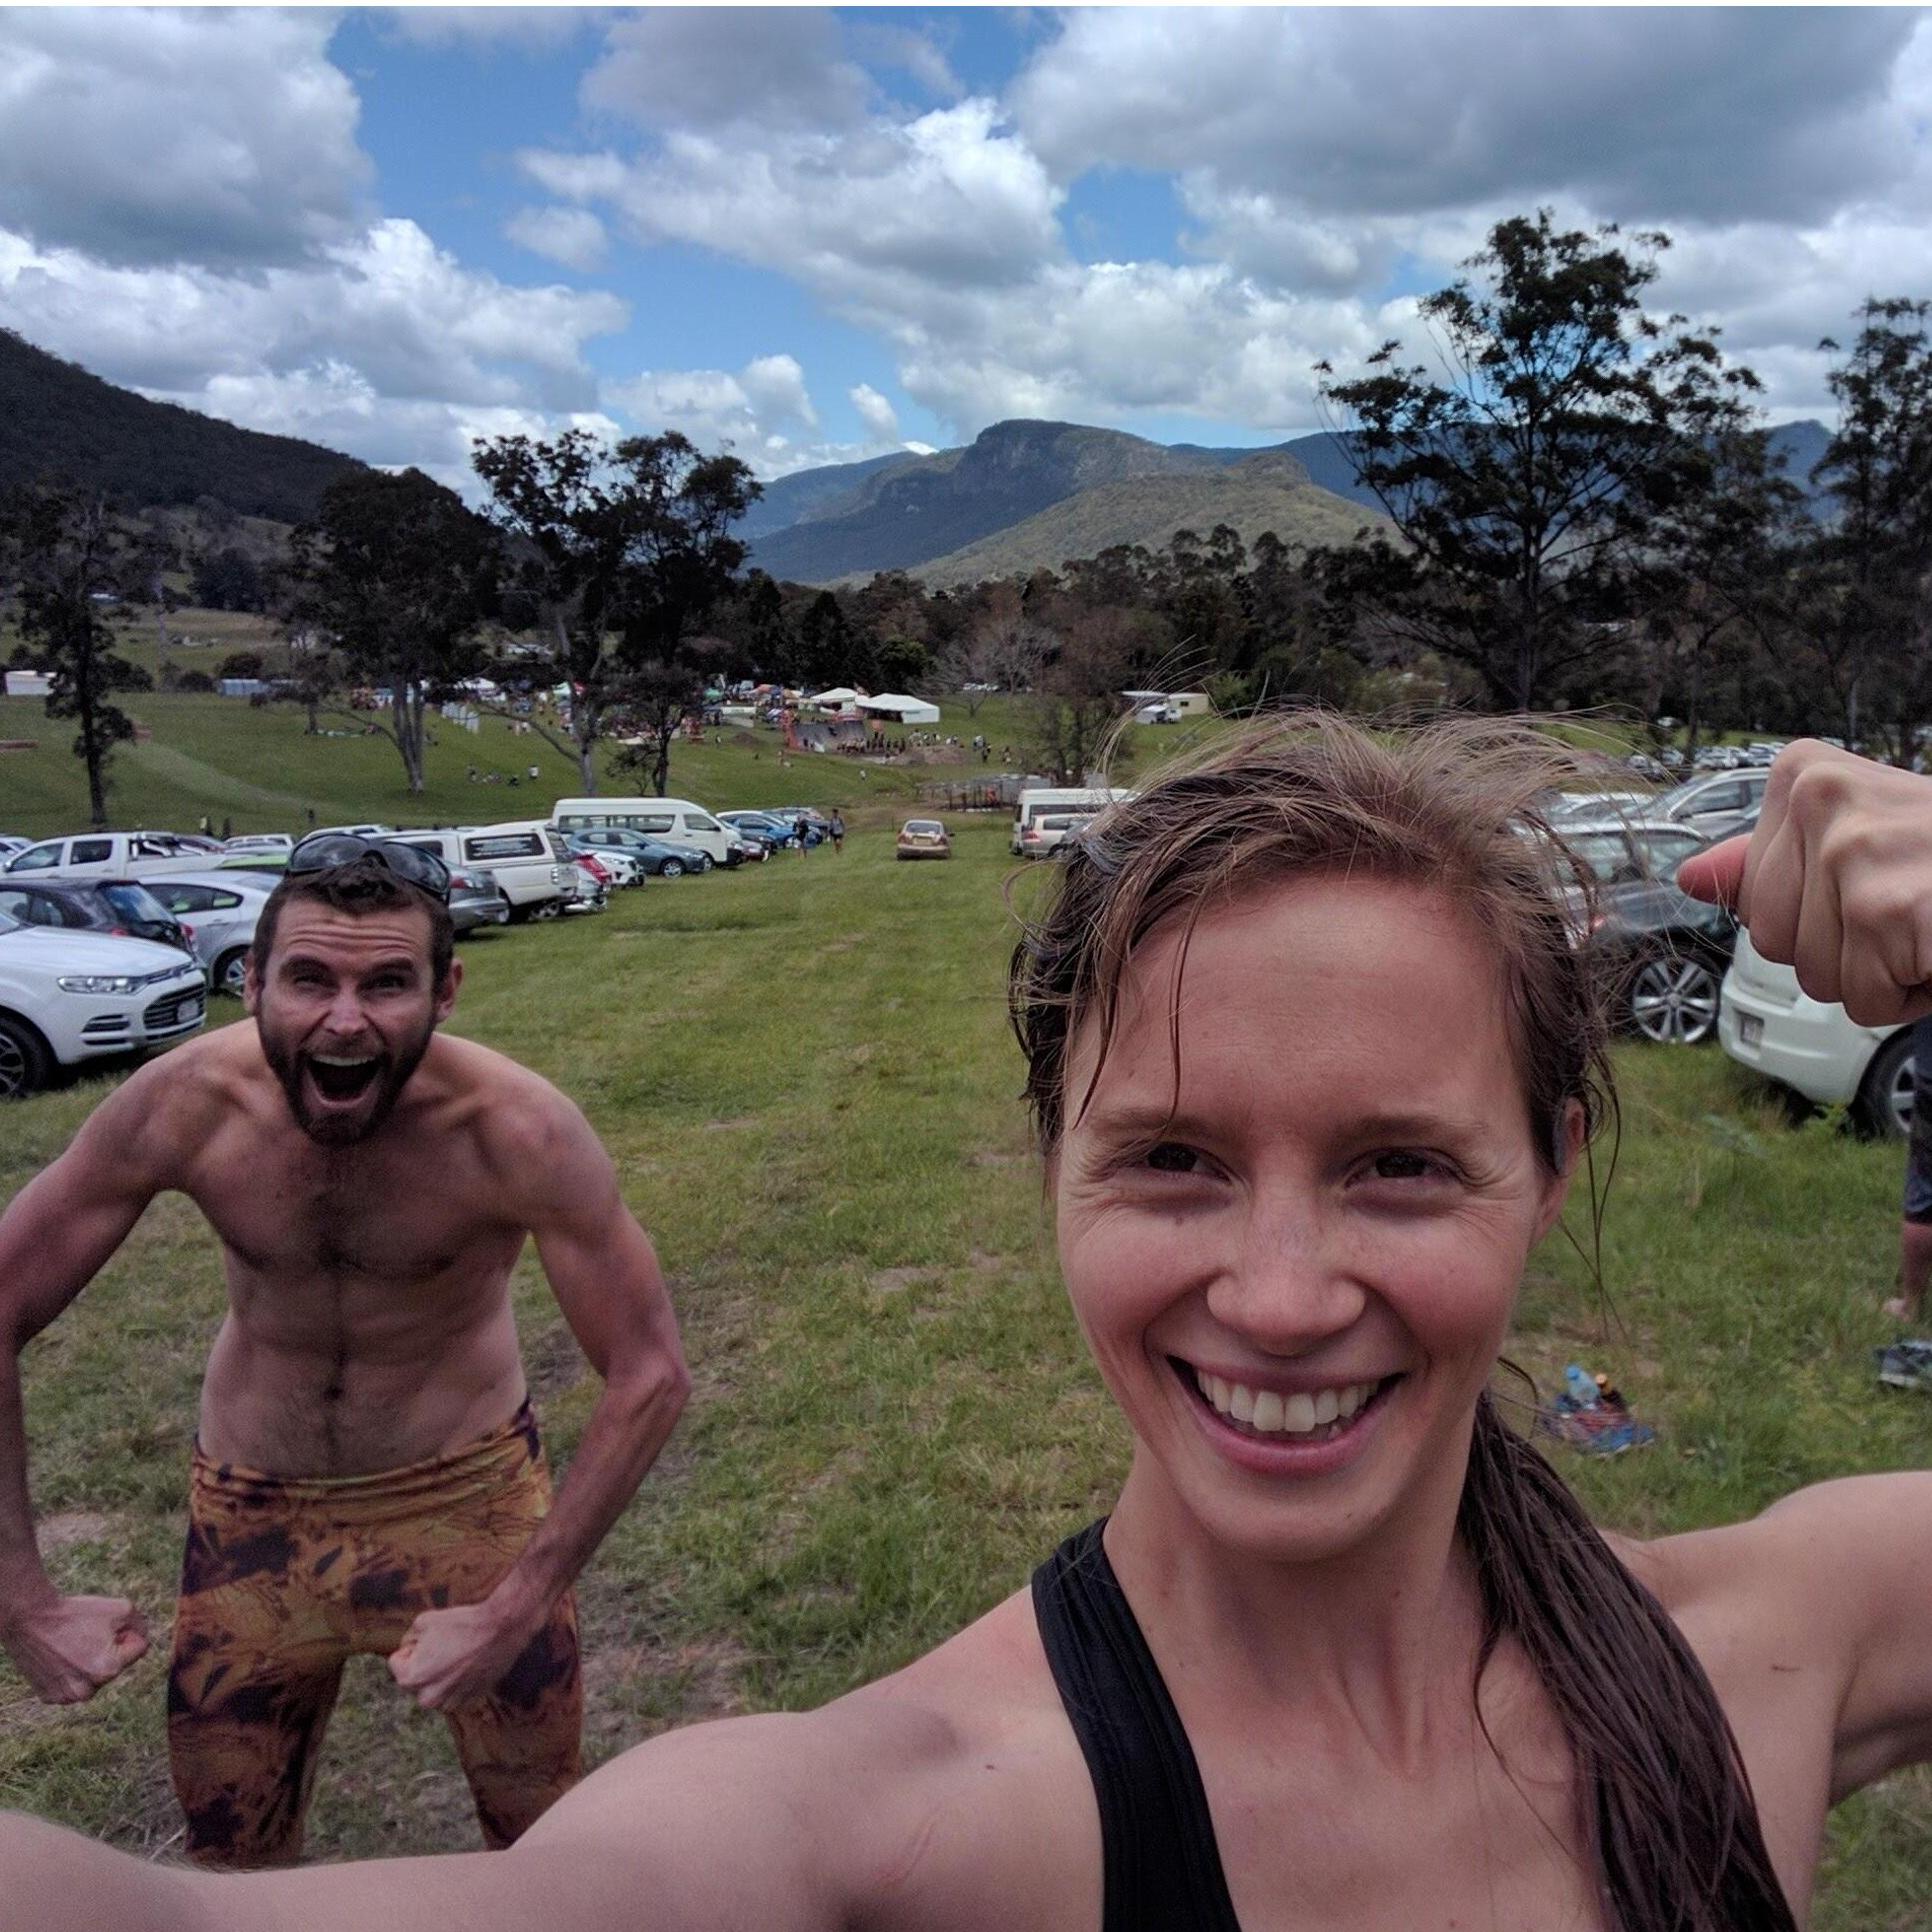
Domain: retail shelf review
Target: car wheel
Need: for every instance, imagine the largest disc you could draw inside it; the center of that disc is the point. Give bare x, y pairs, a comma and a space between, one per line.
231, 972
1884, 1103
549, 909
704, 863
671, 869
1673, 999
24, 1064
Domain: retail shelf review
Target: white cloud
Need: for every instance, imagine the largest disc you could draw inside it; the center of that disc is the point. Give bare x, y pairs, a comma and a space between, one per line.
898, 213
727, 67
387, 344
218, 137
875, 411
1713, 113
572, 236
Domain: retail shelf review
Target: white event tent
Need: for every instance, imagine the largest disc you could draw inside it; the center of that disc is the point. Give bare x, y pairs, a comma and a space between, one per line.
897, 708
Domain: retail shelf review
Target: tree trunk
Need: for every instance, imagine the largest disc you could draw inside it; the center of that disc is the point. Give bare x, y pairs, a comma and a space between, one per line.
661, 771
90, 733
409, 731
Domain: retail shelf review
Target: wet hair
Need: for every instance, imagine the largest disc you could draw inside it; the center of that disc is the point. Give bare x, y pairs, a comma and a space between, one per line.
363, 886
1664, 1800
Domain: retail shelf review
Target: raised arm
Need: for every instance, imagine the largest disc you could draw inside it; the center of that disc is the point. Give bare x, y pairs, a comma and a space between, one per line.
1836, 882
55, 1236
606, 1279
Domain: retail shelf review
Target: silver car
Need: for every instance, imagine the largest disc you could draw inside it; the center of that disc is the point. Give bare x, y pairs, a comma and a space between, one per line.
222, 908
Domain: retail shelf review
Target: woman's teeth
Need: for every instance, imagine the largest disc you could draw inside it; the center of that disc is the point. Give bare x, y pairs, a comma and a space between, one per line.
1269, 1414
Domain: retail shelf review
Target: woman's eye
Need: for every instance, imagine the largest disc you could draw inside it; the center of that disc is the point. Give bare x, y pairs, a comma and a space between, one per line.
1170, 1157
1404, 1166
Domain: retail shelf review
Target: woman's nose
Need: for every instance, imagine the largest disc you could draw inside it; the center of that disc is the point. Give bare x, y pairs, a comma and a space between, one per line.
1288, 1286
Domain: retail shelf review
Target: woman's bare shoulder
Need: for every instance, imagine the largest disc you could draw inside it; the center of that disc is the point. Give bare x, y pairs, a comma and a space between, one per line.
1823, 1594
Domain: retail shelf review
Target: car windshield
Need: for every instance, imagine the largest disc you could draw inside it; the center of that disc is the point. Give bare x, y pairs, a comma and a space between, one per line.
1606, 855
135, 902
925, 827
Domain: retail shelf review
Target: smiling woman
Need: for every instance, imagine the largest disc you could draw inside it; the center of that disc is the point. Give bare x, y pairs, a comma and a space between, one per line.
1314, 1066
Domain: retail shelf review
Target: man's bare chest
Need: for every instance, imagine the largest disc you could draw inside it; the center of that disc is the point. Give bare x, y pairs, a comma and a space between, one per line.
397, 1219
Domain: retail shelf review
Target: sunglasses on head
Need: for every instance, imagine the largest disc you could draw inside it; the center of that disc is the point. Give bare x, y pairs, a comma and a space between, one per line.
323, 851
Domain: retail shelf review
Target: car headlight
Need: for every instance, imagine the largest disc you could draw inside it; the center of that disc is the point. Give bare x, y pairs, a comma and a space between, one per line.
95, 983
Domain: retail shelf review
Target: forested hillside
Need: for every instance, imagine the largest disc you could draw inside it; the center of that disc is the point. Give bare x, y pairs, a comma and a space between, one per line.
59, 423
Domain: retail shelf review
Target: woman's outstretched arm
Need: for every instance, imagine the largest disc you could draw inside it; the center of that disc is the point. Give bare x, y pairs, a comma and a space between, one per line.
732, 1824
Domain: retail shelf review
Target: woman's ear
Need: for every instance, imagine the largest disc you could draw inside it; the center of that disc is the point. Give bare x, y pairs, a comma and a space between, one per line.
1572, 1133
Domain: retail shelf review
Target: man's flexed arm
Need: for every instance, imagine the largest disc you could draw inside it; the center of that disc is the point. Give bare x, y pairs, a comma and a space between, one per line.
606, 1279
54, 1237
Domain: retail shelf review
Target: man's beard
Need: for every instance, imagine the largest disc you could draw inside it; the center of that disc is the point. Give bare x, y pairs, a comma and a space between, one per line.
341, 1130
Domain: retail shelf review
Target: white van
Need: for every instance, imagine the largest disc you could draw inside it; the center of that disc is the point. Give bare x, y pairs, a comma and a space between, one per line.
1029, 841
525, 857
664, 818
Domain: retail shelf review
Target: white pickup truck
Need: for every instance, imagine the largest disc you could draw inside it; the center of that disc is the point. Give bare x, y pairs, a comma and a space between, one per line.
110, 855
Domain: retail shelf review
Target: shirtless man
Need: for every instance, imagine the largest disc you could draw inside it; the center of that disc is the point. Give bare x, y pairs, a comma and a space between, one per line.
367, 1475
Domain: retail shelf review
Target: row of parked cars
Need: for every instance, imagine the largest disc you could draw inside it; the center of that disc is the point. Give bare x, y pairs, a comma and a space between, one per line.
112, 943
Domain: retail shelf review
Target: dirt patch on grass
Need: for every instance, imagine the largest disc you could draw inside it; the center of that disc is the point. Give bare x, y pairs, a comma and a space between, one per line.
993, 1157
895, 1281
72, 1526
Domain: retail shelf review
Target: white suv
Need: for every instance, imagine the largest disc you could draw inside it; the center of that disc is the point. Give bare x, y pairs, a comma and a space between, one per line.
67, 997
1766, 1022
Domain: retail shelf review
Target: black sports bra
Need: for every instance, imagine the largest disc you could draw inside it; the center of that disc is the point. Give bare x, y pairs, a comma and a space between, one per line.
1162, 1868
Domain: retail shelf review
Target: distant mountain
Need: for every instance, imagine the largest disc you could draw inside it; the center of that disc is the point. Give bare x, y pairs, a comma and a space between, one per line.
948, 517
907, 513
1264, 490
58, 422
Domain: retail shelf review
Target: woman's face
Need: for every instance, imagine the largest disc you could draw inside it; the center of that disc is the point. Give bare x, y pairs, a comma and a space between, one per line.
1297, 1285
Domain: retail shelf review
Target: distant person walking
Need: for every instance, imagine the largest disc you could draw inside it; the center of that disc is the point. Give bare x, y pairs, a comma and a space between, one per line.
837, 829
802, 831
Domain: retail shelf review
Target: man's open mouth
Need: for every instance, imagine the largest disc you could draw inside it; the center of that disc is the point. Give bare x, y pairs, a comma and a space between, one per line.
339, 1079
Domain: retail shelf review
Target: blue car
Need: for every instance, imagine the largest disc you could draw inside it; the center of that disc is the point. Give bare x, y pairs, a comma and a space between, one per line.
766, 827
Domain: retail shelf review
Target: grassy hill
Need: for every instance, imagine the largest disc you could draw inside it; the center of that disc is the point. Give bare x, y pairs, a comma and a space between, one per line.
58, 422
1266, 492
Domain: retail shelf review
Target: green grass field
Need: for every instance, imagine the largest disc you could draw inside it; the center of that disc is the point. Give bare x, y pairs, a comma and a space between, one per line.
804, 1074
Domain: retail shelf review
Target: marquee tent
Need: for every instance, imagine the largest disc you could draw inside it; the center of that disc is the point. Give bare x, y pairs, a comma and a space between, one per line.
894, 707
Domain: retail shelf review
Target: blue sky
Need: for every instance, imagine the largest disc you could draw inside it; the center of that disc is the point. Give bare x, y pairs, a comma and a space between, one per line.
817, 236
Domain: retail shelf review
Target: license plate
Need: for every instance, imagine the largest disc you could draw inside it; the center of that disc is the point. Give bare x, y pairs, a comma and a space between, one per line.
1750, 1030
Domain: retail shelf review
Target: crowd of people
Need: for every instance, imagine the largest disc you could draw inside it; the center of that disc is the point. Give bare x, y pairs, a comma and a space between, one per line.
1313, 1066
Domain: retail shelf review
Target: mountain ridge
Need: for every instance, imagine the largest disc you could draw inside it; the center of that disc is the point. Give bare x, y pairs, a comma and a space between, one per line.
62, 423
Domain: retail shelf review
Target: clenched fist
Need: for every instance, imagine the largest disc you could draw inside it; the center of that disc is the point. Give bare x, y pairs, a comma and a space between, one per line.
1836, 881
68, 1647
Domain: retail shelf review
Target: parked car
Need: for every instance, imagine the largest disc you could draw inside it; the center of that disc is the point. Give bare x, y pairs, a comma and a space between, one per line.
763, 827
475, 899
9, 845
607, 864
1771, 1025
70, 997
679, 820
923, 838
643, 851
222, 908
1664, 952
109, 855
1049, 835
746, 850
94, 905
662, 858
1715, 805
766, 827
259, 842
593, 881
525, 857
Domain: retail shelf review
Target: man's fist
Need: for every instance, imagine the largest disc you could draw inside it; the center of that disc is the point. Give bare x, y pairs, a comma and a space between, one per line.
68, 1647
1836, 881
458, 1655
